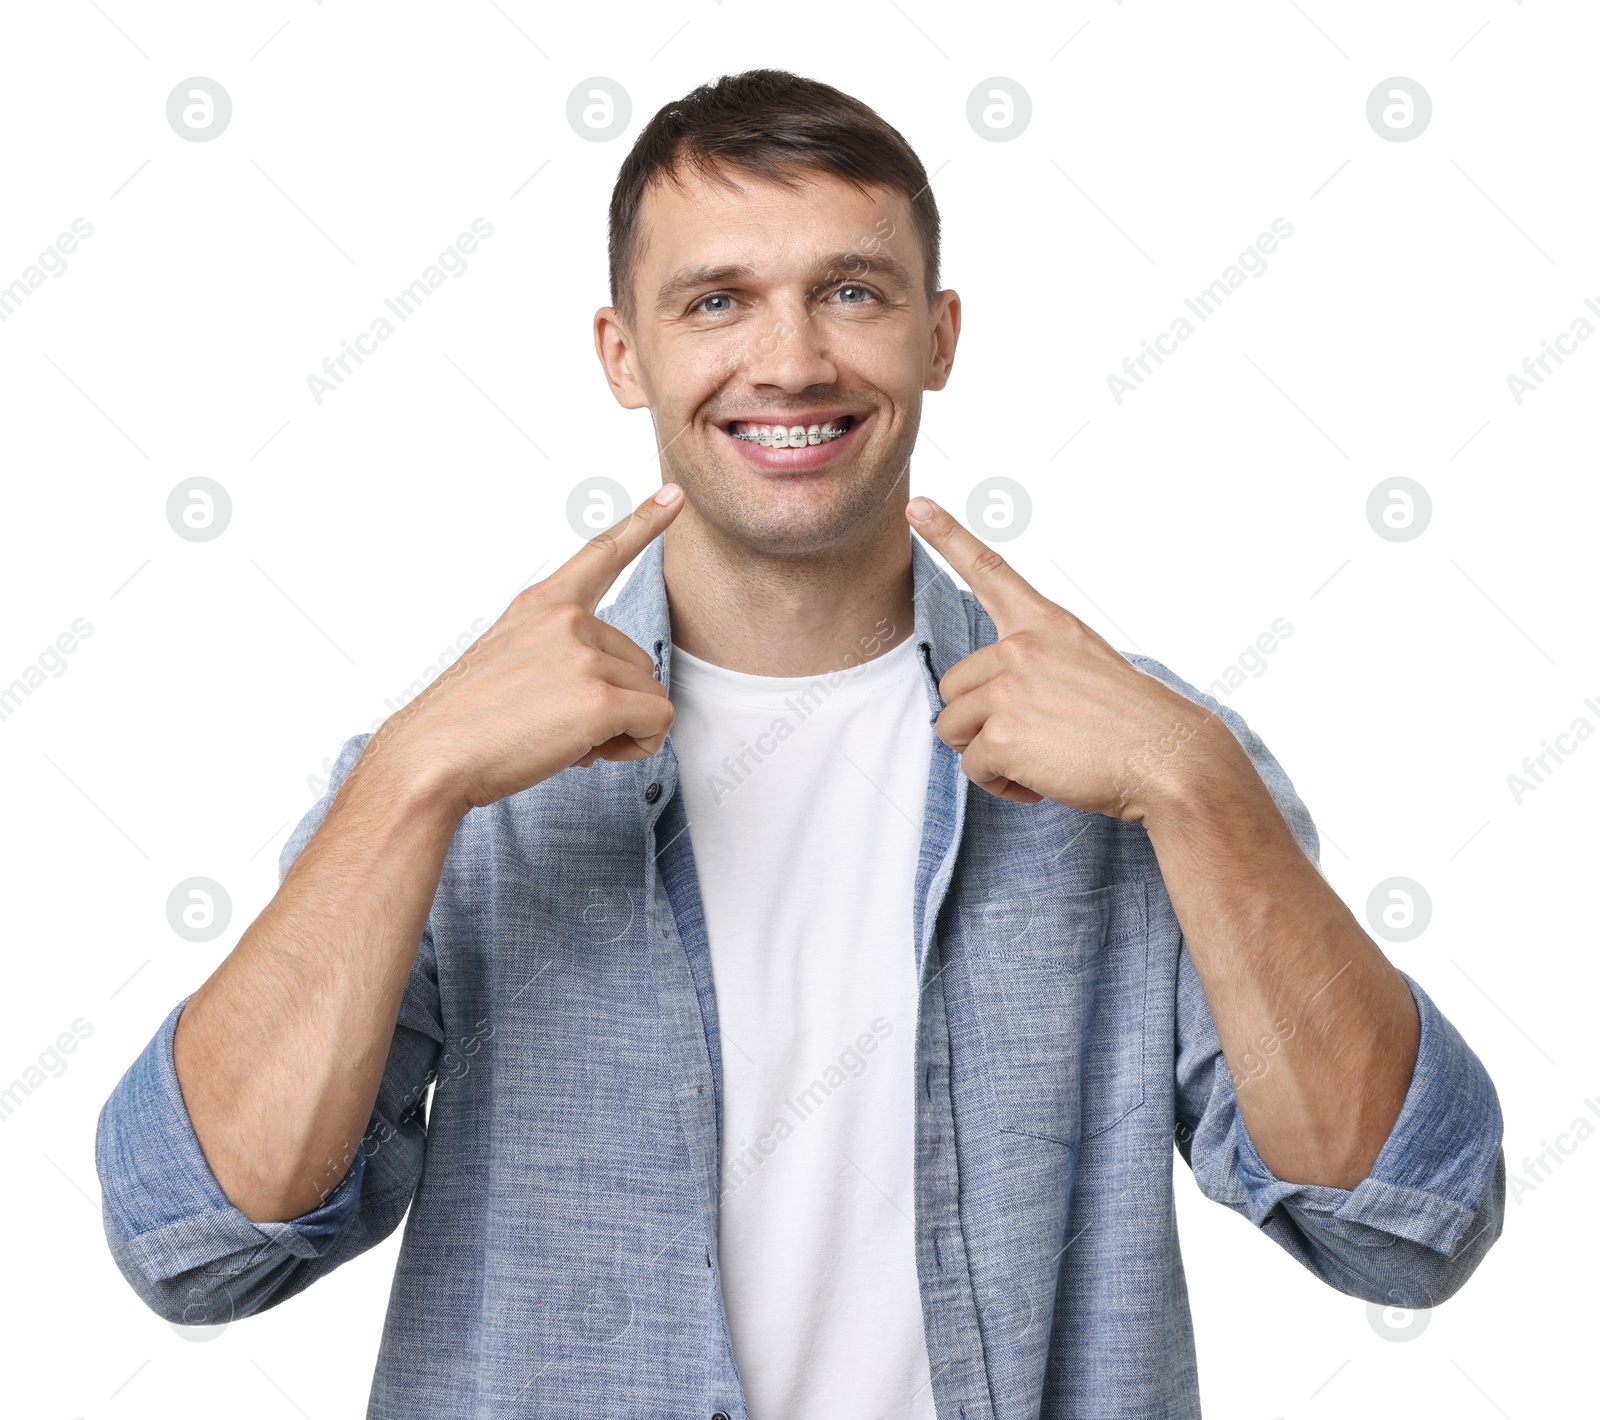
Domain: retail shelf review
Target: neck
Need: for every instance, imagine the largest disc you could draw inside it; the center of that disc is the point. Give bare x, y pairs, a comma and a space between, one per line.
760, 614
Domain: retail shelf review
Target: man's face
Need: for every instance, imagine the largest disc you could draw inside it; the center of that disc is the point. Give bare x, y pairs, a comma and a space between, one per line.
765, 307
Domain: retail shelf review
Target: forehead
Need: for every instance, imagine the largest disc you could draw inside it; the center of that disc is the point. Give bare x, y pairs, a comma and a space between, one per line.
778, 230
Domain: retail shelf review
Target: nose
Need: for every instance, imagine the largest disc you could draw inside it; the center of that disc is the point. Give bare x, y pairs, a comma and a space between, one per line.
789, 351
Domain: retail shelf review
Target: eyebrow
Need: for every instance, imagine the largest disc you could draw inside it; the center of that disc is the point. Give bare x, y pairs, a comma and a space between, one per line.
838, 266
689, 278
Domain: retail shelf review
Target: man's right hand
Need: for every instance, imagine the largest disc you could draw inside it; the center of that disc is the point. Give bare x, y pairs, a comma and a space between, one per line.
547, 687
279, 1055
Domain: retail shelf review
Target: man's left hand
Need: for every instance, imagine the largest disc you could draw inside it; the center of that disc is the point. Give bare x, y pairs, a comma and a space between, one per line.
1051, 710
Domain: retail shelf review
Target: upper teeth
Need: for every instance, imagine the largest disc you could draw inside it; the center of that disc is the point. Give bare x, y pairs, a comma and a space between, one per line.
792, 436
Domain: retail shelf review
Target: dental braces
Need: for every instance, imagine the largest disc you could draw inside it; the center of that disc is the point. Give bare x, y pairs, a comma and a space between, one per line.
823, 436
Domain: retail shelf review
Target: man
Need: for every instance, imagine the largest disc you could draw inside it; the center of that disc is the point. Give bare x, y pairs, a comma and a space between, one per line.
813, 963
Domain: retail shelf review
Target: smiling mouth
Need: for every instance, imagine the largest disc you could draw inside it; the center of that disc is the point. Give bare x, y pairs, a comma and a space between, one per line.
790, 436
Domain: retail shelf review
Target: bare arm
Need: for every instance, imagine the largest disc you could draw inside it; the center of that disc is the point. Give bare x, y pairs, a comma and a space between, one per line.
281, 1052
1319, 1027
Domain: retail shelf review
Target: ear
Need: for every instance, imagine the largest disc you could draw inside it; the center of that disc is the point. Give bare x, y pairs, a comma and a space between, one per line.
614, 346
942, 340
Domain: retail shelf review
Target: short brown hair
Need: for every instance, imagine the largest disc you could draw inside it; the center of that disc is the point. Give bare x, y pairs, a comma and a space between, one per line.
775, 125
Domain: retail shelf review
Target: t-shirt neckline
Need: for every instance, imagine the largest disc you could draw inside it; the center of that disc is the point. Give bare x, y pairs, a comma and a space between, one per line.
699, 676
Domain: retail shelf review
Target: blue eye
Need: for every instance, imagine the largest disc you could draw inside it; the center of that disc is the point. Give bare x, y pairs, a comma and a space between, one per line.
715, 296
862, 289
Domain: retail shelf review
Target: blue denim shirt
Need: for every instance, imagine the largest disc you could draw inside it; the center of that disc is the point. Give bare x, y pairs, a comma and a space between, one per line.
560, 1258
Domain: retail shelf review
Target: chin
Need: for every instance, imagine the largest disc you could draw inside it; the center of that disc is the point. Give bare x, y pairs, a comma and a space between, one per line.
801, 532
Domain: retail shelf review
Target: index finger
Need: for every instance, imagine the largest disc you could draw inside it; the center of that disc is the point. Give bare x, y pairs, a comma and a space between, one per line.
1002, 591
589, 572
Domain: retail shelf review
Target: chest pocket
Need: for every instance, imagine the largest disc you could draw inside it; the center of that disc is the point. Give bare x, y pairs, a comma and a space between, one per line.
1059, 986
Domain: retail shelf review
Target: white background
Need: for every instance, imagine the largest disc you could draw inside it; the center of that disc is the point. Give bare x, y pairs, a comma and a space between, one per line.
1229, 490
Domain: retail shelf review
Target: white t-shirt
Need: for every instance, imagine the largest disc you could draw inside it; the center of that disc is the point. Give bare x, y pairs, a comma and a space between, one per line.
805, 800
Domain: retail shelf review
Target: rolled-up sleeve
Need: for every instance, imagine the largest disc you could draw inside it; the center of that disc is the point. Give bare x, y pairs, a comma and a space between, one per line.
1433, 1203
184, 1248
1415, 1228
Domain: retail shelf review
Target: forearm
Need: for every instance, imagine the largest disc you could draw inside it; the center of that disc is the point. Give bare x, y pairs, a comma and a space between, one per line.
1318, 1029
280, 1053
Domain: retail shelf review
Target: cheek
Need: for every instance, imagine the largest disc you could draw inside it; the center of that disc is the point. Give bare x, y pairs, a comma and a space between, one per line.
679, 375
885, 357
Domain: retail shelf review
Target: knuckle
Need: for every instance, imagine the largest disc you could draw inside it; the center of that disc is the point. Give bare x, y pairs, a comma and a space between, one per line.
564, 616
987, 561
999, 731
595, 700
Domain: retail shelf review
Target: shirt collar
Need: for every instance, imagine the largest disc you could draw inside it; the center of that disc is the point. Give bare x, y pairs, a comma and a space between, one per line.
945, 618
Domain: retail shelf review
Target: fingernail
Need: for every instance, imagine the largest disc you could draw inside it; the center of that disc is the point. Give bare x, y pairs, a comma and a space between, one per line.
921, 509
668, 494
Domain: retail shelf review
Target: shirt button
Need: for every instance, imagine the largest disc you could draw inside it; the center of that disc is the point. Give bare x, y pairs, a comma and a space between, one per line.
651, 794
719, 1415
